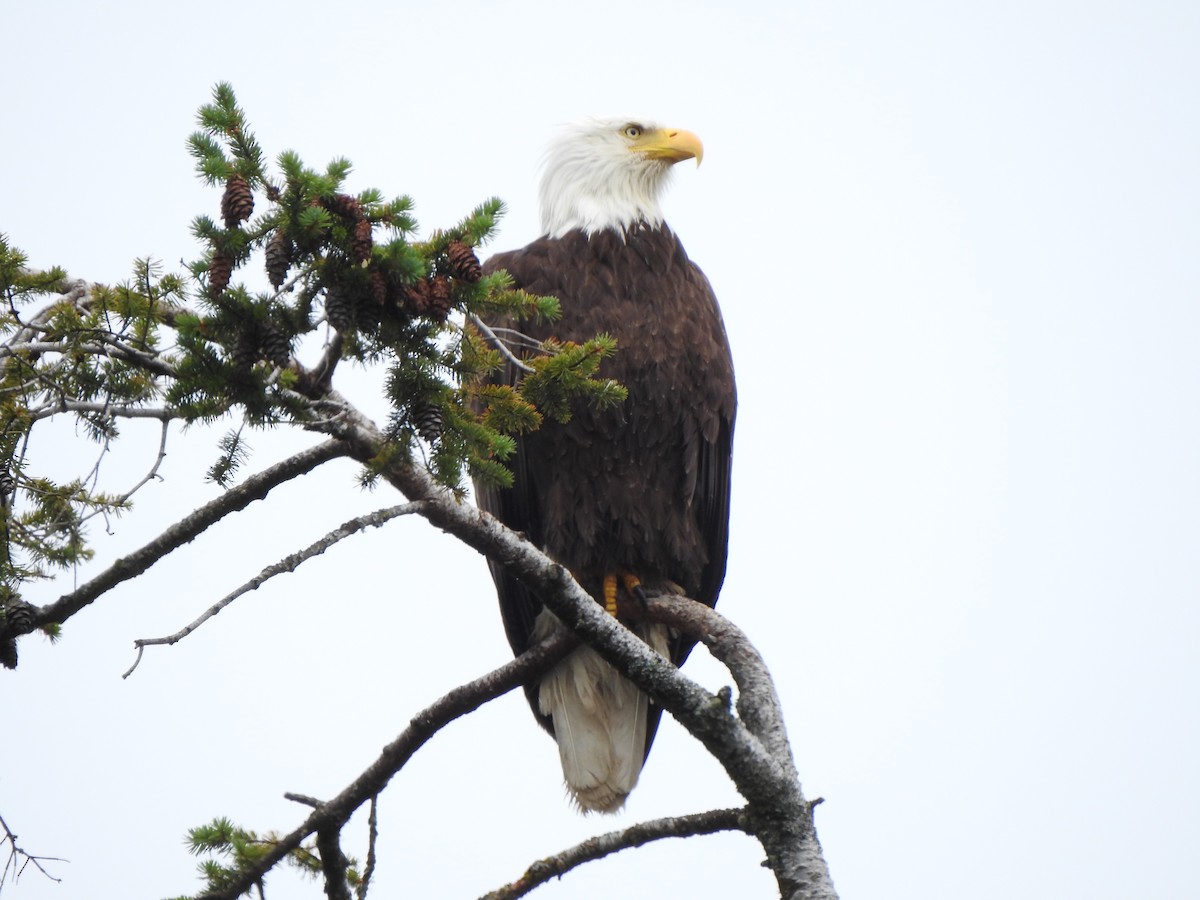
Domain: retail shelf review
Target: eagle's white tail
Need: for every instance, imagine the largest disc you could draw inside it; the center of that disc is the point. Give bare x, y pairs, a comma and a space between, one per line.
599, 722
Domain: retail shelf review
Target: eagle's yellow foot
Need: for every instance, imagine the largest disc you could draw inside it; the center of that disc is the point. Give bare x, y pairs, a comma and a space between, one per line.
610, 594
632, 585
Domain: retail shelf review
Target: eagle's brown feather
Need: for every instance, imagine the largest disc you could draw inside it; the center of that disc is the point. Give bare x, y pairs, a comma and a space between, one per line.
641, 487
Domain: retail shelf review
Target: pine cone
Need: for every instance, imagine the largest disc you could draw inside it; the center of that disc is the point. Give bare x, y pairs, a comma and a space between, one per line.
8, 653
369, 300
245, 352
427, 419
360, 241
238, 201
18, 617
464, 264
440, 299
276, 346
379, 288
417, 297
338, 308
343, 205
7, 485
220, 270
278, 257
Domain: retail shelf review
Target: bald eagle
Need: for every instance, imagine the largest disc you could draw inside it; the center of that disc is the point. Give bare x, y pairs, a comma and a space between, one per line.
629, 498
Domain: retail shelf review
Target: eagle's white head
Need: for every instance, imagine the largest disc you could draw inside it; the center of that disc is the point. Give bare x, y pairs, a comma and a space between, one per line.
609, 173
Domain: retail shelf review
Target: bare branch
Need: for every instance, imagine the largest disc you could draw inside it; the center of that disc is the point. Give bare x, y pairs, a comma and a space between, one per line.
256, 487
459, 702
364, 883
762, 767
288, 564
117, 410
498, 344
623, 839
158, 461
333, 862
19, 859
758, 704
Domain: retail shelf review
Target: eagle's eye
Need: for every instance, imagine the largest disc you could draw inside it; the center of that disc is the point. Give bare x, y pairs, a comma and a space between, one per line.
633, 131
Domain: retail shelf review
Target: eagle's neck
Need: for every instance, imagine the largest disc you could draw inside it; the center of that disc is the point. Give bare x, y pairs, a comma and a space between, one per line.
596, 191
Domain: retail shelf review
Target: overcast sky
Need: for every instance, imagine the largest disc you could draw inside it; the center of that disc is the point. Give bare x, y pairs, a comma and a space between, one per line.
957, 250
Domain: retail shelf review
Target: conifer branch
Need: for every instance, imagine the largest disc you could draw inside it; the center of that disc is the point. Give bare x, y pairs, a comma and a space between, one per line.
104, 345
288, 564
604, 845
256, 487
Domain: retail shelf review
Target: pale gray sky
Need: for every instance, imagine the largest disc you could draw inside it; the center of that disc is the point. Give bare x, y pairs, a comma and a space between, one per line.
956, 247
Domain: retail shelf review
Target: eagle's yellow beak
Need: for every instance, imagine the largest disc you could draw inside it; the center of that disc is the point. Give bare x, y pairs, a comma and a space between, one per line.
672, 144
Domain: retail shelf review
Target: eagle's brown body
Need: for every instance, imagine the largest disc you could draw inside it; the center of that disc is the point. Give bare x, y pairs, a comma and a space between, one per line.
641, 487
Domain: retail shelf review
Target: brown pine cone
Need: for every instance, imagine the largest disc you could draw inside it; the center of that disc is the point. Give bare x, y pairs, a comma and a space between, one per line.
245, 352
360, 241
338, 308
427, 420
417, 297
343, 205
18, 616
220, 270
379, 288
237, 204
276, 346
464, 264
440, 299
278, 258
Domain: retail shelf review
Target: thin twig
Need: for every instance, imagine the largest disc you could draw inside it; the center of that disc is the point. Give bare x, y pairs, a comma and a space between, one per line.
364, 883
288, 564
19, 859
145, 479
187, 529
116, 410
302, 798
603, 845
499, 344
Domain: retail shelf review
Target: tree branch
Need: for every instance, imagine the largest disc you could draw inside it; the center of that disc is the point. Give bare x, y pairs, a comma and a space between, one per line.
762, 768
459, 702
333, 862
116, 410
364, 883
764, 774
19, 859
623, 839
288, 564
256, 487
496, 342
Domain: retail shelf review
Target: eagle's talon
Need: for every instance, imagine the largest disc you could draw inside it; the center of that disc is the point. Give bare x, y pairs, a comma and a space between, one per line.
633, 585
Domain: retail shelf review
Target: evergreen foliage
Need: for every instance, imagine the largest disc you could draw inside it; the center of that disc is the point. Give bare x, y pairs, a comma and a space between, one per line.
347, 279
230, 849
